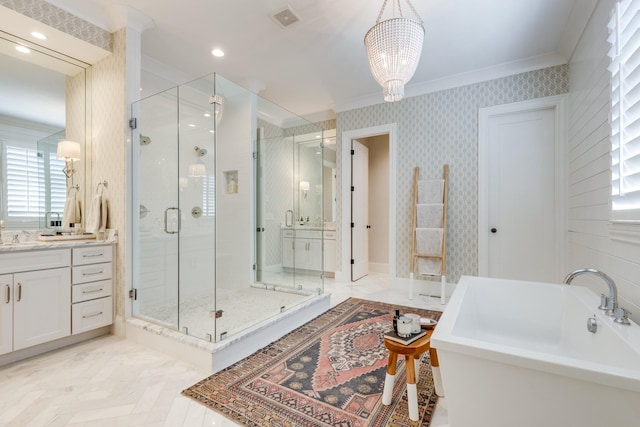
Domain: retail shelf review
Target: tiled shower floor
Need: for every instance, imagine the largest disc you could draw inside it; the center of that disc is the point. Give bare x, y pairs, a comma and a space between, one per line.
241, 309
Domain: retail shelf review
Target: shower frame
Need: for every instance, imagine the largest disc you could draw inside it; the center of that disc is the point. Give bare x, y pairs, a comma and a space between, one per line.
188, 258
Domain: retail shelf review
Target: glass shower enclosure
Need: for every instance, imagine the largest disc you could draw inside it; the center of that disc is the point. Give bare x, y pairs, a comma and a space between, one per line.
222, 177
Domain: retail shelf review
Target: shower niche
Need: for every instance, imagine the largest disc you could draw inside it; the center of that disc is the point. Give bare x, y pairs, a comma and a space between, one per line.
215, 171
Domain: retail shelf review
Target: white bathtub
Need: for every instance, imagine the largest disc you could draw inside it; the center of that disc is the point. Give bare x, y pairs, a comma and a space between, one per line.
519, 354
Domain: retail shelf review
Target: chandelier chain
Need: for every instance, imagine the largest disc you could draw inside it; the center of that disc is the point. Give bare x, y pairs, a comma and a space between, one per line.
413, 9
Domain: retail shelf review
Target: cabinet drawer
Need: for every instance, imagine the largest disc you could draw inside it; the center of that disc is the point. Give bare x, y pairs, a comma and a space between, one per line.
288, 233
14, 262
89, 315
93, 290
309, 234
330, 235
92, 255
92, 273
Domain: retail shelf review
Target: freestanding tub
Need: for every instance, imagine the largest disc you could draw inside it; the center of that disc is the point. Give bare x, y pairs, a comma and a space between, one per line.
518, 354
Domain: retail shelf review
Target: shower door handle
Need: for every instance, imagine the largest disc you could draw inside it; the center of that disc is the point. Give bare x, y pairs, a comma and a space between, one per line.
172, 227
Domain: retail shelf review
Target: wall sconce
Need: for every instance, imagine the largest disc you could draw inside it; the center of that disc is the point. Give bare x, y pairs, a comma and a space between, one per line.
68, 151
304, 188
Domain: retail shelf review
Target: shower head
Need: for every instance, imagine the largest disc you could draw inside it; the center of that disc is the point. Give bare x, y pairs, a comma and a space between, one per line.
200, 151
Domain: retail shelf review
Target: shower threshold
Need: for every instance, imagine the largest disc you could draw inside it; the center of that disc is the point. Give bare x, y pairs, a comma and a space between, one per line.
214, 356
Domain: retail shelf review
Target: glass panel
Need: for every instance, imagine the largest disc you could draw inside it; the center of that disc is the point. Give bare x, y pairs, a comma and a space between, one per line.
309, 234
219, 180
55, 181
156, 226
197, 197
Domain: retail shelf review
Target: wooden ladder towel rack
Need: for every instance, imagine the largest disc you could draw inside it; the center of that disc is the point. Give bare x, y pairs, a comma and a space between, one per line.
415, 254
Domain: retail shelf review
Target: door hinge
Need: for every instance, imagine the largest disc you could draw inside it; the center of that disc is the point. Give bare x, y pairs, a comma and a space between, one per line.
353, 152
133, 123
133, 294
353, 261
353, 225
255, 155
254, 267
353, 188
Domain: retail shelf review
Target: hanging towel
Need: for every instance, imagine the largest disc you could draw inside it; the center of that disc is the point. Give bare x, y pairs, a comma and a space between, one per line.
431, 191
72, 213
94, 215
429, 215
429, 242
104, 214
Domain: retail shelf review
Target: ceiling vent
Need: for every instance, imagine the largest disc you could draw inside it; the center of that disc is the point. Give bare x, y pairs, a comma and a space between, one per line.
285, 17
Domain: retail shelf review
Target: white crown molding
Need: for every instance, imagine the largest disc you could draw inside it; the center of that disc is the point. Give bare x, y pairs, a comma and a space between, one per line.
463, 79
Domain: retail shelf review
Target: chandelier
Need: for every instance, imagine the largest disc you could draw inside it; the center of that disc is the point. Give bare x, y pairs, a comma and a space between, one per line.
393, 50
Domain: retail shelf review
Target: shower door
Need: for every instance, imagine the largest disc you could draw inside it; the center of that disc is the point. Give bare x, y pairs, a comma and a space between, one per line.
174, 231
157, 219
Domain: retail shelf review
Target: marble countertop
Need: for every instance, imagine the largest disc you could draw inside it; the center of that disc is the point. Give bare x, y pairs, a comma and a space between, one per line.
308, 227
29, 242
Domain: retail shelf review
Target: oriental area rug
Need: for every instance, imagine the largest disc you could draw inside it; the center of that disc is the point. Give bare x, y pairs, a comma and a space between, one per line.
328, 372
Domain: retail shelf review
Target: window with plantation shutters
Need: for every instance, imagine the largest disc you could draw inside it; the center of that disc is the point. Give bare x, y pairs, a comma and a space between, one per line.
209, 195
25, 183
624, 38
27, 174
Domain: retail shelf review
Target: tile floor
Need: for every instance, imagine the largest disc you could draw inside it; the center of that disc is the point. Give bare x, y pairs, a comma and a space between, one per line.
110, 381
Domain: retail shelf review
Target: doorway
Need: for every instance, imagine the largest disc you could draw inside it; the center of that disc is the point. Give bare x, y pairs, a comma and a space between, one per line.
370, 242
520, 191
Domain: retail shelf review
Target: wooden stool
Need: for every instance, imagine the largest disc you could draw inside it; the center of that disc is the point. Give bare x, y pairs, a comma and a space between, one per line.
412, 353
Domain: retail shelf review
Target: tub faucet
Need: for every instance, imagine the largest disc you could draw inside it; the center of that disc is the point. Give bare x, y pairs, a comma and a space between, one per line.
610, 304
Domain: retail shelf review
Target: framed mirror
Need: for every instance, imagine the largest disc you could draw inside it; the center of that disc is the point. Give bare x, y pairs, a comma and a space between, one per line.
44, 100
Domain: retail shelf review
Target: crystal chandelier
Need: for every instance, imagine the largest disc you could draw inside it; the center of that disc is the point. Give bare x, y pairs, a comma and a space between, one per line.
393, 50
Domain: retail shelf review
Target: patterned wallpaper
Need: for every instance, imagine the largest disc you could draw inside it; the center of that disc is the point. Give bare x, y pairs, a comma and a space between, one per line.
109, 118
62, 20
439, 128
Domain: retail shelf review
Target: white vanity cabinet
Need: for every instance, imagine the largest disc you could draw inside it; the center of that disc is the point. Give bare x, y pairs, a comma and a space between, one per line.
302, 249
92, 290
36, 291
329, 251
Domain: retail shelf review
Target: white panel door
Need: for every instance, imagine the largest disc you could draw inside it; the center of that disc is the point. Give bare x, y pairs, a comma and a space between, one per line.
359, 210
42, 306
521, 195
6, 313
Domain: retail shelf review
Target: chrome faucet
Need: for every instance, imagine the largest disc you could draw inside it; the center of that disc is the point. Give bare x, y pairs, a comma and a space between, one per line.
610, 303
16, 238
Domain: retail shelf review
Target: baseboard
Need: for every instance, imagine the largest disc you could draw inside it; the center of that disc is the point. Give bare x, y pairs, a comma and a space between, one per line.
378, 267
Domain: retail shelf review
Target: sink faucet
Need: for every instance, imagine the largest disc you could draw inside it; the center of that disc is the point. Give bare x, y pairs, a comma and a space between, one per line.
610, 303
16, 238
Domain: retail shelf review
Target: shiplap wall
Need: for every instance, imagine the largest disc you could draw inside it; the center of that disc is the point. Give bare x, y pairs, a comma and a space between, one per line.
592, 239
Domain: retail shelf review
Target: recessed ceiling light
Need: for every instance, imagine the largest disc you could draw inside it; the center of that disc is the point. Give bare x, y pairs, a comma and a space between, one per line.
23, 49
217, 52
212, 131
191, 125
38, 35
207, 114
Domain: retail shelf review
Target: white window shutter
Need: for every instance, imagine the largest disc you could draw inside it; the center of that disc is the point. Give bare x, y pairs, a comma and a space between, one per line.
624, 38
